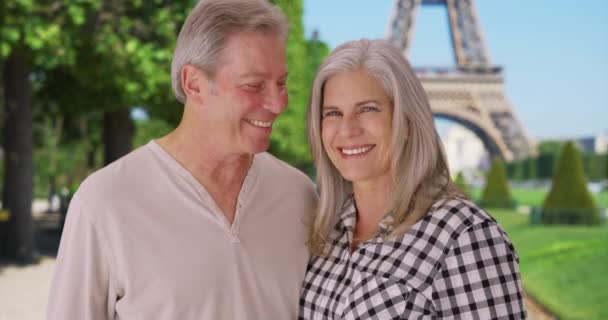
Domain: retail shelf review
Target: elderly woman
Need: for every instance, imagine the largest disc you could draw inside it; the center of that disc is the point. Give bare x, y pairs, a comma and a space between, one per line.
393, 238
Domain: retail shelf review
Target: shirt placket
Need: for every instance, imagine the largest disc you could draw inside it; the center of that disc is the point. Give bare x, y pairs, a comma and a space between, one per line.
357, 259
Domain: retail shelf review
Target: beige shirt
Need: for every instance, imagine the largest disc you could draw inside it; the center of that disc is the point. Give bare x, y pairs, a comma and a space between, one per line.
144, 240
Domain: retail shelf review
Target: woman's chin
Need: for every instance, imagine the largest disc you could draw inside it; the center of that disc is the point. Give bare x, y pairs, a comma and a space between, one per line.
355, 177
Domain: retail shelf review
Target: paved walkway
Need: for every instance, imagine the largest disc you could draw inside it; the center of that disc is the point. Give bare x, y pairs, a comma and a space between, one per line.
24, 290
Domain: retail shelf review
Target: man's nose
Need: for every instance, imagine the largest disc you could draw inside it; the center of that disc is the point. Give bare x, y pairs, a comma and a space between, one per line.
276, 99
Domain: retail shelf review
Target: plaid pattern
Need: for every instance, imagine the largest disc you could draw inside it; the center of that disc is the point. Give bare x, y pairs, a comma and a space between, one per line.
456, 263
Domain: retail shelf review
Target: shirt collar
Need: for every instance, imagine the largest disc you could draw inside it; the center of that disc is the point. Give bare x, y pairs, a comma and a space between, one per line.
348, 218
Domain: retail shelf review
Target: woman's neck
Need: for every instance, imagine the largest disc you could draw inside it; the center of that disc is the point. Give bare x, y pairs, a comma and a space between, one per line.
372, 201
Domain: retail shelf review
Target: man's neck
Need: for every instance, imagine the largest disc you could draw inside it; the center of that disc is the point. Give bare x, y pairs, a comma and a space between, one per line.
221, 173
203, 160
203, 156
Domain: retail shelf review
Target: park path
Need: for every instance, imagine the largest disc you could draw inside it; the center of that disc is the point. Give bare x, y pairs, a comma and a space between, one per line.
24, 290
536, 311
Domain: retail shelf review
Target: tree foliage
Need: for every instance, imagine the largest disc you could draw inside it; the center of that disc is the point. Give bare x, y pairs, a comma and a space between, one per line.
87, 62
569, 200
80, 57
288, 140
543, 166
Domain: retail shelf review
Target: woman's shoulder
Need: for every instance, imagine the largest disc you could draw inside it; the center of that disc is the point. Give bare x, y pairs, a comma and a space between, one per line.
458, 214
446, 221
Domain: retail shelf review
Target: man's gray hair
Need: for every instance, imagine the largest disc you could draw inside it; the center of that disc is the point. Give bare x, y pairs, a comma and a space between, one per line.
419, 171
206, 31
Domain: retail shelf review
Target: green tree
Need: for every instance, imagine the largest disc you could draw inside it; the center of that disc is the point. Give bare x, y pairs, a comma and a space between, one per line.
33, 36
545, 164
515, 170
531, 169
288, 140
87, 57
496, 192
149, 129
594, 165
605, 166
569, 200
316, 50
133, 41
548, 151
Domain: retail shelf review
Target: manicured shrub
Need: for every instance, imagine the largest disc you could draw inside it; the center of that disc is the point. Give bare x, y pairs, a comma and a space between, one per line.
496, 192
569, 200
461, 184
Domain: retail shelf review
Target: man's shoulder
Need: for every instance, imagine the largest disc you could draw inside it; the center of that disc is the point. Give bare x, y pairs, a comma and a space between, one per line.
117, 175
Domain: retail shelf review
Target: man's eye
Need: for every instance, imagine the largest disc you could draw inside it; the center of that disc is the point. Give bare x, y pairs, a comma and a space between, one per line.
254, 86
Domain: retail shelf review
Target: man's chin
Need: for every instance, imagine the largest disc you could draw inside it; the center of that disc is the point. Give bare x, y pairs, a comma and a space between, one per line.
259, 146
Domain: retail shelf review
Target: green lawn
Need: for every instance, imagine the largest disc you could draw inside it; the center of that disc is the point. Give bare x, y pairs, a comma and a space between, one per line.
535, 197
564, 267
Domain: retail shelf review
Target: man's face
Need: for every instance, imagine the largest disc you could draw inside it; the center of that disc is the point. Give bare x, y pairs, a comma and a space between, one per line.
247, 94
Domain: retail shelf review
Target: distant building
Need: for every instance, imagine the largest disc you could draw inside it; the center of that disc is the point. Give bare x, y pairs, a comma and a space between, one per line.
464, 150
595, 144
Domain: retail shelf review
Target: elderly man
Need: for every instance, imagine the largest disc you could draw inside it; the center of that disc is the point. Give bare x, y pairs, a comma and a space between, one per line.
202, 223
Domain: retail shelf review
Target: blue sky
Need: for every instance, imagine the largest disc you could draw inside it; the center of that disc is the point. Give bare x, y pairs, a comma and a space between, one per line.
554, 53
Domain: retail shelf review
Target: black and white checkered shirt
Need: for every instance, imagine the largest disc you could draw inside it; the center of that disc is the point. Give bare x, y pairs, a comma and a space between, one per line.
456, 263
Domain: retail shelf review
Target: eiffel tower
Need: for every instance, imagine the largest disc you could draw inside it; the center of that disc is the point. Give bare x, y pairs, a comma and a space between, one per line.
471, 93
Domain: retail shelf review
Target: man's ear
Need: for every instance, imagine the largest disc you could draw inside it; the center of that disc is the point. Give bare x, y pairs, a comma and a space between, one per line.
194, 83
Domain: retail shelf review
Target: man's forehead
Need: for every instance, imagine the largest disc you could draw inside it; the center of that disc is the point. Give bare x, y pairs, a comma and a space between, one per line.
254, 54
246, 68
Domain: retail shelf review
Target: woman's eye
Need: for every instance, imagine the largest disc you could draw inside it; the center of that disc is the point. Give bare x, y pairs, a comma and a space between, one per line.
368, 108
331, 114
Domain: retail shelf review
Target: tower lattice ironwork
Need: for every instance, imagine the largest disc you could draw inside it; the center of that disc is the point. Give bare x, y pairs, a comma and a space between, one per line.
471, 93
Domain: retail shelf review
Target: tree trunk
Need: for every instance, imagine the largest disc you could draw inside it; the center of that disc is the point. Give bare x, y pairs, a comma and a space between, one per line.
91, 162
52, 146
118, 130
16, 241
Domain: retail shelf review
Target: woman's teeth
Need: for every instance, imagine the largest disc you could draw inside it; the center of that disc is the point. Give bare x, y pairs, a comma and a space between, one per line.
355, 151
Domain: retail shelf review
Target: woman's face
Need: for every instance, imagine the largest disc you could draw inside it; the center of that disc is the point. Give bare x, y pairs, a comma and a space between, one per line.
356, 126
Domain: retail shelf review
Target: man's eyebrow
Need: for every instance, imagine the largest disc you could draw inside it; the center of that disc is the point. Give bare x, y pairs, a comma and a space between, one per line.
256, 74
253, 74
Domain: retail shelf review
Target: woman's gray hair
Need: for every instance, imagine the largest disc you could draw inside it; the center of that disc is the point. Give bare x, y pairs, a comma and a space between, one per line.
418, 166
206, 31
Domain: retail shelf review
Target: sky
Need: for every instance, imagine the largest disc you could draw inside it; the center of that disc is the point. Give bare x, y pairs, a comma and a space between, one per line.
554, 54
